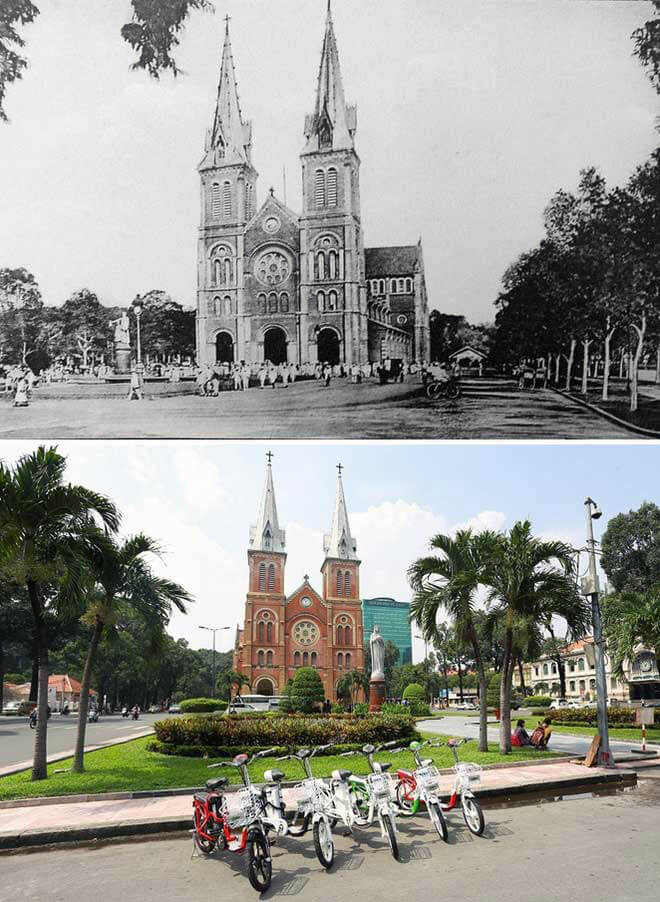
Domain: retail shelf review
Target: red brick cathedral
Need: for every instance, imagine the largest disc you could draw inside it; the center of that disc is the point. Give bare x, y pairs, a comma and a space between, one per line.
305, 628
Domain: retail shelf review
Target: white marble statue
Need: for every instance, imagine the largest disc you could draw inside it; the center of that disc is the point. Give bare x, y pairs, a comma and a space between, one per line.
122, 334
377, 645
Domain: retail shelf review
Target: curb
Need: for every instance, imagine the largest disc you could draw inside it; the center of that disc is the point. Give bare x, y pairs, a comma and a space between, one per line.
640, 430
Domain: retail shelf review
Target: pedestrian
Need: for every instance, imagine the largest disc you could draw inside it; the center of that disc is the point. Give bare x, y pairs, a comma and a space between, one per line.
21, 393
327, 374
263, 375
135, 392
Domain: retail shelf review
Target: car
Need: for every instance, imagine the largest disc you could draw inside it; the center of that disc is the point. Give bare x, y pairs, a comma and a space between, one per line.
240, 708
466, 706
174, 709
11, 708
560, 703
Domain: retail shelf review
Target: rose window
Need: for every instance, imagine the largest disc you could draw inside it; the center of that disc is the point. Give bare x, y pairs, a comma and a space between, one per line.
306, 633
273, 268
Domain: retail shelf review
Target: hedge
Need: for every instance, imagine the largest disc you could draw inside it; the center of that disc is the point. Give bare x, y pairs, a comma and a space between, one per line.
537, 701
414, 690
587, 717
289, 731
228, 752
202, 705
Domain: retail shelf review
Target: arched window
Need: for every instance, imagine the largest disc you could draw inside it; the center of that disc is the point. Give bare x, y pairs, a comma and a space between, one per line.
260, 631
340, 660
581, 664
215, 200
408, 286
545, 670
340, 635
320, 300
226, 306
218, 272
272, 302
348, 660
269, 631
340, 583
260, 659
217, 306
381, 286
305, 659
332, 187
392, 286
319, 188
347, 635
284, 302
248, 201
554, 667
261, 302
583, 686
571, 685
332, 265
269, 659
296, 659
271, 577
229, 275
262, 577
226, 200
320, 266
347, 582
332, 300
402, 286
314, 659
592, 684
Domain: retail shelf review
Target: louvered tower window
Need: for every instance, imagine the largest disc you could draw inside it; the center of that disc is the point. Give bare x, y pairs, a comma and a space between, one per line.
332, 187
226, 200
319, 188
215, 200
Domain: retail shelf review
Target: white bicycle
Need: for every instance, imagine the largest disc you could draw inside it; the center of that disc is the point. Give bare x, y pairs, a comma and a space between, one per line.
466, 776
421, 785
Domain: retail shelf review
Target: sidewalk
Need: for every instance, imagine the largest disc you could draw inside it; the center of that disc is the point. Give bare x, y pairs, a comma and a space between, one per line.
22, 826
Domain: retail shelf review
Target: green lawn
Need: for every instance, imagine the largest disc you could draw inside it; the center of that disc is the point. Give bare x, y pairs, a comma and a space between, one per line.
129, 767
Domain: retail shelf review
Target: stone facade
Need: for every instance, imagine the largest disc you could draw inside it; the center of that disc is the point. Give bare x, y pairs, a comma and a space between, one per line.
275, 285
282, 632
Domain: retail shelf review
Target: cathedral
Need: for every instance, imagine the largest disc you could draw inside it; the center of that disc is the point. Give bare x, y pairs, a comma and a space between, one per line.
299, 288
305, 628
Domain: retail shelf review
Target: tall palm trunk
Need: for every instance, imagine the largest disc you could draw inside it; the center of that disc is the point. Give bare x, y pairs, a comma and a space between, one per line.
34, 675
83, 705
521, 672
2, 675
39, 766
483, 690
505, 692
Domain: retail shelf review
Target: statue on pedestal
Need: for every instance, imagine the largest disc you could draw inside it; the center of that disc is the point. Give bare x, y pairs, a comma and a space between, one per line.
122, 341
377, 679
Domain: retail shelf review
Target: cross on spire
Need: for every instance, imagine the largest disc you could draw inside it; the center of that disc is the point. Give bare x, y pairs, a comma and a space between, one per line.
269, 456
227, 21
339, 468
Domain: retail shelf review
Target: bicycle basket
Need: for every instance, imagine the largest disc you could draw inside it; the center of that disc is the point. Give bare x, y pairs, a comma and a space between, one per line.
241, 808
429, 777
381, 785
469, 772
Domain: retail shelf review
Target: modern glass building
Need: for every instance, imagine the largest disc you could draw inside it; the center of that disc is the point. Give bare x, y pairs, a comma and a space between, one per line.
392, 619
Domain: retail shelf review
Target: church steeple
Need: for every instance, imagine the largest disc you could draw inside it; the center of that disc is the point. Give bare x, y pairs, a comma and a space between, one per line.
332, 125
231, 137
267, 535
340, 544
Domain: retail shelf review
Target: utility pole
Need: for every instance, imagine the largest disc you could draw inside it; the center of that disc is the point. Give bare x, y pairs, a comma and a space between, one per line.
590, 587
214, 630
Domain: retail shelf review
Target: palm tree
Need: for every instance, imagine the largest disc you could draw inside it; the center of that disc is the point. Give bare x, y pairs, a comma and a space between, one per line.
530, 580
236, 679
449, 581
47, 531
123, 580
350, 685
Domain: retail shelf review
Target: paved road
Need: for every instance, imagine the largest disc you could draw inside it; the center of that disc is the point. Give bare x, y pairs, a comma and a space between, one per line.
560, 742
490, 409
603, 848
17, 739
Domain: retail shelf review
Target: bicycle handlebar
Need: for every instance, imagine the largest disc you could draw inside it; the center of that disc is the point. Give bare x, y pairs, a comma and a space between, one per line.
265, 753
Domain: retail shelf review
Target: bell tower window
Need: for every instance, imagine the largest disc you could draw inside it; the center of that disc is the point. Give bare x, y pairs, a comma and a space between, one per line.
332, 187
319, 188
226, 200
216, 205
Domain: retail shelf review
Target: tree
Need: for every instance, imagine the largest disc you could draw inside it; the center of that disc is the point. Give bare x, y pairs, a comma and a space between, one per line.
414, 691
165, 327
85, 324
21, 313
47, 533
123, 579
236, 680
631, 619
307, 690
532, 579
647, 46
630, 549
351, 684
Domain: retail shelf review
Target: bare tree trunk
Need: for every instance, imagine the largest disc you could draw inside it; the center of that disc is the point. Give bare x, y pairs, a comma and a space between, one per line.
460, 677
39, 767
505, 694
585, 366
34, 676
569, 364
657, 366
78, 764
521, 673
483, 690
2, 676
557, 365
608, 361
634, 380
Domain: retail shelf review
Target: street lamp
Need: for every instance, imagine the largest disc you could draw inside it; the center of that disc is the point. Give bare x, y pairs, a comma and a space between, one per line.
137, 310
590, 587
214, 630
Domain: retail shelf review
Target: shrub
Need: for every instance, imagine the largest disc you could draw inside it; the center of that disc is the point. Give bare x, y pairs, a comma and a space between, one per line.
493, 696
243, 731
394, 708
202, 705
414, 690
538, 701
587, 717
538, 712
286, 703
360, 708
337, 708
307, 690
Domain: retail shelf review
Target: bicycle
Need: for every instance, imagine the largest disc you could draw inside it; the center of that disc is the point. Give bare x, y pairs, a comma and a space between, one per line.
450, 389
466, 776
373, 795
216, 815
421, 785
314, 802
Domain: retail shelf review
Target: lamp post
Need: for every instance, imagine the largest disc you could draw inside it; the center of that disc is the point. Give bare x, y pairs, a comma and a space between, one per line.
137, 310
590, 587
214, 630
426, 646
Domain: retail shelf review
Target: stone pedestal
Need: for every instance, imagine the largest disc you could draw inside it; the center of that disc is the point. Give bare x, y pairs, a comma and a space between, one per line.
376, 694
122, 360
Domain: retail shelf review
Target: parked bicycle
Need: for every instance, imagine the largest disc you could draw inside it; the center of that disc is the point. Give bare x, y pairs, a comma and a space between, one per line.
421, 785
466, 776
449, 388
374, 795
236, 821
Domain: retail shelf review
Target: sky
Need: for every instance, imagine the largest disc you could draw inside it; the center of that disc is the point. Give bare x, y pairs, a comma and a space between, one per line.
199, 500
470, 116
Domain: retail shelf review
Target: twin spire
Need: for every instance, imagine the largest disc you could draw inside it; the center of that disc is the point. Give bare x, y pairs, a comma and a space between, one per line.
231, 137
267, 535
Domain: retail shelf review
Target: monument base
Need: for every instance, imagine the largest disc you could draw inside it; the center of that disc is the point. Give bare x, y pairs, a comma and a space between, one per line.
376, 694
122, 361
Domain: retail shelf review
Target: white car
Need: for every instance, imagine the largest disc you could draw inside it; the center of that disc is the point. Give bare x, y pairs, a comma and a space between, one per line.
560, 703
466, 706
11, 708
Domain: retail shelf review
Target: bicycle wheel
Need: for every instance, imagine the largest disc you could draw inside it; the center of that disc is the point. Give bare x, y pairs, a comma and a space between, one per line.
405, 804
435, 390
323, 843
437, 819
205, 846
260, 866
301, 827
453, 392
391, 836
473, 814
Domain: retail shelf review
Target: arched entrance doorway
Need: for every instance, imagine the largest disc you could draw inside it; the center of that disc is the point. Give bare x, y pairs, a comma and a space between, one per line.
328, 346
275, 345
264, 687
224, 348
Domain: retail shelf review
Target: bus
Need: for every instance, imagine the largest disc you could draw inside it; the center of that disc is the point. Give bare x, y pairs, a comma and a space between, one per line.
255, 703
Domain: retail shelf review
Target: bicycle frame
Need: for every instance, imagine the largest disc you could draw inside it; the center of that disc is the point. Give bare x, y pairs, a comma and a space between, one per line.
379, 803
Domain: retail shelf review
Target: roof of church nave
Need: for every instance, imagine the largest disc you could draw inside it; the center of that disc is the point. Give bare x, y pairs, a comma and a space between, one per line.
392, 261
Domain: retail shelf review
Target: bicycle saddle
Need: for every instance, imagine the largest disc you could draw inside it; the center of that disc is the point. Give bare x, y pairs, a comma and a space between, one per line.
274, 776
304, 753
342, 774
368, 749
426, 762
217, 783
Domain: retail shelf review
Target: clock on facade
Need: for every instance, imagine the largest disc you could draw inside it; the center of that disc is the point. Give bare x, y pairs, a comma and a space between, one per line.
272, 268
306, 601
305, 633
272, 225
402, 319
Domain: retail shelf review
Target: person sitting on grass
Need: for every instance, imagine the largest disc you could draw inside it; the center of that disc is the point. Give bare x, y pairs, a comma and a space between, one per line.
520, 736
541, 735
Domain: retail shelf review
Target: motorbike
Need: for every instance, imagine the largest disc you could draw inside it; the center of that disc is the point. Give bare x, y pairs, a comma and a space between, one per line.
135, 715
93, 716
124, 712
437, 389
33, 718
